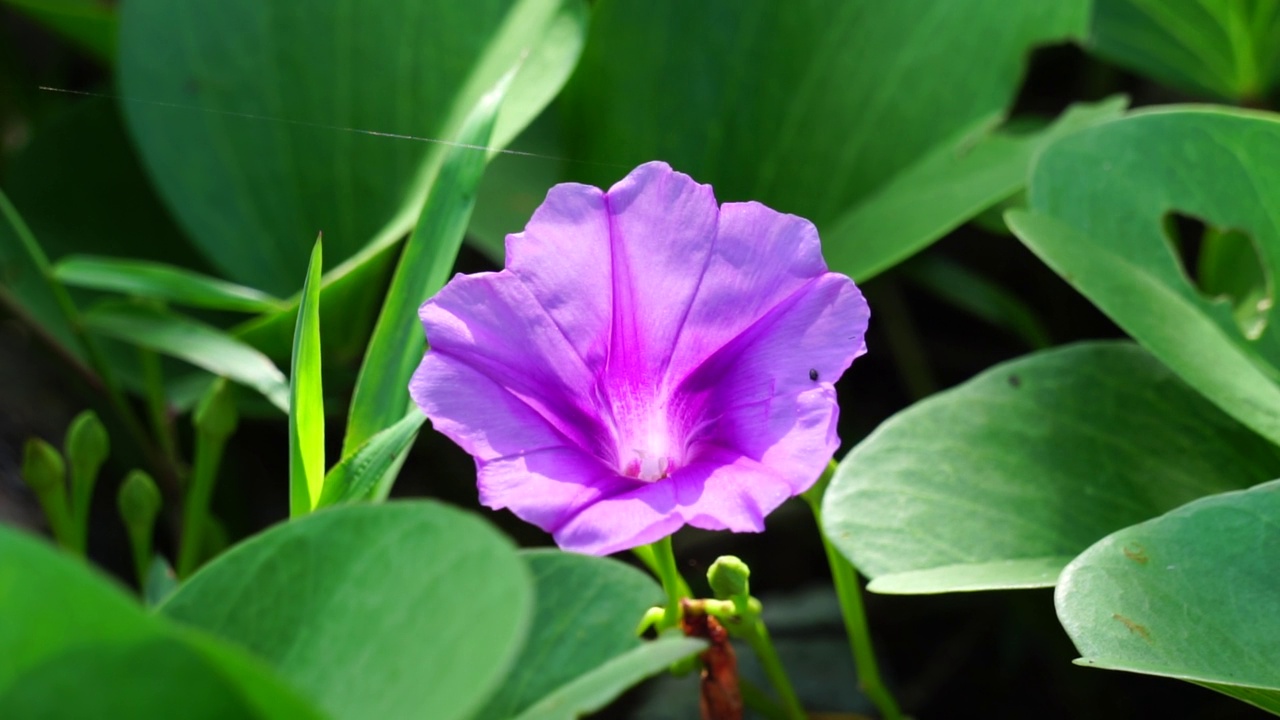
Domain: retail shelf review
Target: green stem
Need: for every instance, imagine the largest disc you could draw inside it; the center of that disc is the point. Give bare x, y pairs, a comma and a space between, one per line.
215, 420
158, 404
849, 592
664, 566
195, 509
757, 636
645, 554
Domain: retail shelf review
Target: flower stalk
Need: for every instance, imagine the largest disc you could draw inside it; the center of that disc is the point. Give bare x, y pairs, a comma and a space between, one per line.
849, 593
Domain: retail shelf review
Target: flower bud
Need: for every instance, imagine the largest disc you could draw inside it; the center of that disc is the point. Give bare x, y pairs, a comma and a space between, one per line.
728, 577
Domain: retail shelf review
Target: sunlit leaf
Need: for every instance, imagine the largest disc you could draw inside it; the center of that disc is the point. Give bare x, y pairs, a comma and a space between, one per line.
999, 482
188, 339
306, 397
1192, 594
429, 603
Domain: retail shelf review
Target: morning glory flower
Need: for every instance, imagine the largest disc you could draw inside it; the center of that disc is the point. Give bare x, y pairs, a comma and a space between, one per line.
647, 360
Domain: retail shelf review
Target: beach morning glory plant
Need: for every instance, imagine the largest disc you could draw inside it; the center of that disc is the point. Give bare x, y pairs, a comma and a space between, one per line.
648, 359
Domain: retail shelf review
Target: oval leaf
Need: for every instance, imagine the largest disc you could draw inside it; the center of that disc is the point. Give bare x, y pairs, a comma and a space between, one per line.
585, 616
1001, 481
1193, 594
70, 628
429, 603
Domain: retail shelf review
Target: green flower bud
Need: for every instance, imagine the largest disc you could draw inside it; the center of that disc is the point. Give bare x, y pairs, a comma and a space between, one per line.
46, 473
87, 446
43, 468
728, 577
138, 501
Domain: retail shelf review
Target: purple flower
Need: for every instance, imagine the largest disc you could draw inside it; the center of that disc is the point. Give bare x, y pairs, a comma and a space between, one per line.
647, 360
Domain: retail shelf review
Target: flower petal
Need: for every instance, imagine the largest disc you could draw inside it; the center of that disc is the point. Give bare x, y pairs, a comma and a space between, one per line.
758, 394
491, 323
481, 416
548, 487
760, 258
724, 491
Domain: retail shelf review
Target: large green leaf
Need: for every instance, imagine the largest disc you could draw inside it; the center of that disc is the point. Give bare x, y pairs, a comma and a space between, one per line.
263, 122
375, 611
1193, 594
1099, 201
67, 628
1225, 48
814, 107
585, 616
1000, 482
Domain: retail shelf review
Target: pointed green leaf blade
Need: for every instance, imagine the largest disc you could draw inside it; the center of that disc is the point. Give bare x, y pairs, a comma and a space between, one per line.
361, 474
201, 345
381, 393
158, 281
306, 397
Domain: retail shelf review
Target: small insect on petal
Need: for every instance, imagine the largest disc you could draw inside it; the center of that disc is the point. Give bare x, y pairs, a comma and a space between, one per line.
813, 374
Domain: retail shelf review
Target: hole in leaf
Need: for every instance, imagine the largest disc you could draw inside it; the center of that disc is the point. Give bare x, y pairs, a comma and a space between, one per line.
1225, 265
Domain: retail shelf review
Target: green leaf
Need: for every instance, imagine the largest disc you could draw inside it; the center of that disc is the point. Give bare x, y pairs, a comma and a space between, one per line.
363, 475
940, 191
999, 482
1191, 595
428, 603
158, 281
1098, 202
265, 122
596, 689
29, 288
90, 24
381, 393
306, 397
71, 628
812, 108
1223, 48
182, 337
585, 615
